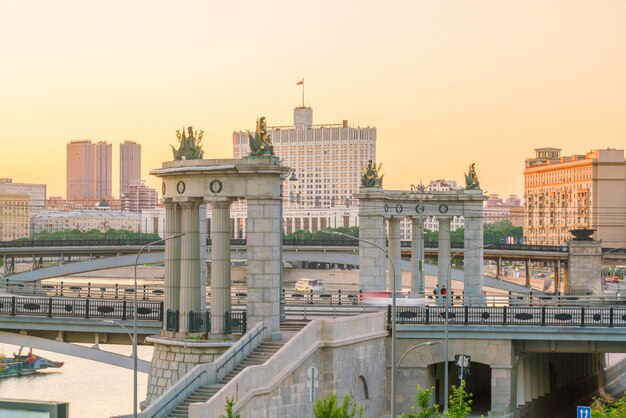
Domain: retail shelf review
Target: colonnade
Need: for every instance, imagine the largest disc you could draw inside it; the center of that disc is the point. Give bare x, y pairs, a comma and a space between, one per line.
539, 374
380, 214
188, 186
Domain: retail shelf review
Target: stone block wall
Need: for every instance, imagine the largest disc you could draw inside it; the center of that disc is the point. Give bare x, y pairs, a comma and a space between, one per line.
354, 370
172, 359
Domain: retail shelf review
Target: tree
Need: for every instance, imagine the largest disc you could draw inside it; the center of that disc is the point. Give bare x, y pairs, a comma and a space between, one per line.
229, 409
460, 402
422, 401
329, 408
605, 409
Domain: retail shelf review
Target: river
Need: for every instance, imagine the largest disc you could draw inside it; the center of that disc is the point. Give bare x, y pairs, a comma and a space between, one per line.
93, 389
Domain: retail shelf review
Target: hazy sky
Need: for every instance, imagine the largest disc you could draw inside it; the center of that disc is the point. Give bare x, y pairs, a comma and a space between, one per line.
446, 83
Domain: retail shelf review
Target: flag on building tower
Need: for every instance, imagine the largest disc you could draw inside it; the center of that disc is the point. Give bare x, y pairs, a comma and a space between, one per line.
301, 83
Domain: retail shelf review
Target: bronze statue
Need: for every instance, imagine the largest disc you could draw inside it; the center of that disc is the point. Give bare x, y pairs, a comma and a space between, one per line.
261, 142
370, 177
189, 148
471, 179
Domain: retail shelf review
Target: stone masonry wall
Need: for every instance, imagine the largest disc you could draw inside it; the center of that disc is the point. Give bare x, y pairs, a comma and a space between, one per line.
172, 360
354, 369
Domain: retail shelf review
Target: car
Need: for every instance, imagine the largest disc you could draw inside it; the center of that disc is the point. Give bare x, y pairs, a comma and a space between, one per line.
541, 274
308, 285
385, 298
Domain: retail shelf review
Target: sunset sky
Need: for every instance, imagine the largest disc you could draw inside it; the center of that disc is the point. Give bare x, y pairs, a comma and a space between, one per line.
446, 83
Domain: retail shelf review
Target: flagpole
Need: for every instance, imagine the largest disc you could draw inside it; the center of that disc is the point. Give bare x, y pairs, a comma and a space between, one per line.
303, 93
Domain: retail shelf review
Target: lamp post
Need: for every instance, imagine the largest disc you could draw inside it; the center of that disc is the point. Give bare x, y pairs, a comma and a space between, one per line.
134, 339
393, 315
110, 321
446, 370
289, 175
416, 347
421, 193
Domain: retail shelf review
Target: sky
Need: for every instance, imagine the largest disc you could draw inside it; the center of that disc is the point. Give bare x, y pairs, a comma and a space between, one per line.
446, 83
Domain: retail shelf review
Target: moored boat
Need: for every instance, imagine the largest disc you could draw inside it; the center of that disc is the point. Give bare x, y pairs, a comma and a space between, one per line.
19, 365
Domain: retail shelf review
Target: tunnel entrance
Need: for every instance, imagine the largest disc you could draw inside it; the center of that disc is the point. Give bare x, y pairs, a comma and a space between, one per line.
477, 382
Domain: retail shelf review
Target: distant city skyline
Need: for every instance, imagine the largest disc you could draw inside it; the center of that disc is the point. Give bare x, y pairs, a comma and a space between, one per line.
445, 84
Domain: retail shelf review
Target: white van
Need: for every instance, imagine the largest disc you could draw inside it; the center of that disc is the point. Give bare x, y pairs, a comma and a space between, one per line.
306, 285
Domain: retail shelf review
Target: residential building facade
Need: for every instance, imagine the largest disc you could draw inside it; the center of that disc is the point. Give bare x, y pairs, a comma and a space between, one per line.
14, 216
36, 192
510, 209
578, 191
84, 220
138, 198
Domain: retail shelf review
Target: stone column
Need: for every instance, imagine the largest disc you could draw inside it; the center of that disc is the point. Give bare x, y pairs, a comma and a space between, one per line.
172, 259
372, 260
504, 389
521, 384
443, 267
190, 263
585, 267
264, 261
394, 274
415, 258
220, 266
473, 278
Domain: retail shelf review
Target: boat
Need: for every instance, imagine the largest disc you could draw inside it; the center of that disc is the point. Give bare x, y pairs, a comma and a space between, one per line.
21, 365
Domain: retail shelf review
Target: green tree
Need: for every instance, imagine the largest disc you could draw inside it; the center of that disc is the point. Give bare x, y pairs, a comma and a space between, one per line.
460, 402
329, 408
601, 408
230, 402
423, 402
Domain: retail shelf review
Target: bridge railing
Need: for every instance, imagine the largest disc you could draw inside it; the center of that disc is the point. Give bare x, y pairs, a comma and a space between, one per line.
512, 315
80, 308
239, 295
242, 242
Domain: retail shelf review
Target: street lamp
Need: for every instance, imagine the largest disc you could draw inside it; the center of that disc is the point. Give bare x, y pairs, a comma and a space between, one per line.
393, 315
110, 321
416, 347
134, 339
422, 193
447, 307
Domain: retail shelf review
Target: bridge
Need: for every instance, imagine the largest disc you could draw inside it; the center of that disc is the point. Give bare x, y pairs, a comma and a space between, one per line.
91, 255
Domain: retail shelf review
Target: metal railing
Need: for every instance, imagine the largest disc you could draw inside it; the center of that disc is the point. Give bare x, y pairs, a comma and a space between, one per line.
79, 308
519, 316
242, 242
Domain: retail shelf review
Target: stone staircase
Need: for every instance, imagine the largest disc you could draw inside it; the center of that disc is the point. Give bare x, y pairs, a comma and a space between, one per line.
259, 356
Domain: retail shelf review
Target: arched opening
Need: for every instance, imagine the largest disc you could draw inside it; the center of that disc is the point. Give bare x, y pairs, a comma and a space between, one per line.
477, 382
364, 393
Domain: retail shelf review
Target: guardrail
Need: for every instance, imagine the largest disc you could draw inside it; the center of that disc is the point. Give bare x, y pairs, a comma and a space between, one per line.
80, 308
286, 242
512, 315
239, 296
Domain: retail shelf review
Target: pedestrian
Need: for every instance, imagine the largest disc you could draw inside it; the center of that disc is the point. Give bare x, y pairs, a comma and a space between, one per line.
444, 292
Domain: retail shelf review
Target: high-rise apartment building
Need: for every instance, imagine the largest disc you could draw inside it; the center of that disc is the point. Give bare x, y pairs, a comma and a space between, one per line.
130, 166
579, 191
89, 170
328, 159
